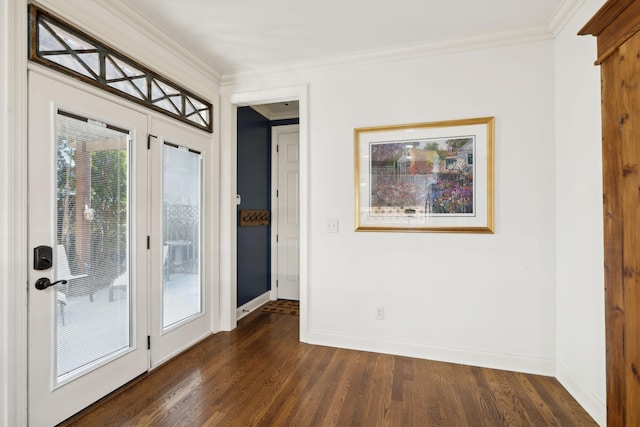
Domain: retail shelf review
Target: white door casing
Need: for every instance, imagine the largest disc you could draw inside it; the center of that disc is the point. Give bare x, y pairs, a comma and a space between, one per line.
286, 208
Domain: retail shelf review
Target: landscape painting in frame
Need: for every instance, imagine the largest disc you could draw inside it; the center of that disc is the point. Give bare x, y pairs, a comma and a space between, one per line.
430, 177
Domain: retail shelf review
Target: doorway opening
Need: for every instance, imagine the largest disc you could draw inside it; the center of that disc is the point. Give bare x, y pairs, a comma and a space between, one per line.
267, 204
256, 100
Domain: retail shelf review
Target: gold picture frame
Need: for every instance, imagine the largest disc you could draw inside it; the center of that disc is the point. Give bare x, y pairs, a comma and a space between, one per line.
425, 177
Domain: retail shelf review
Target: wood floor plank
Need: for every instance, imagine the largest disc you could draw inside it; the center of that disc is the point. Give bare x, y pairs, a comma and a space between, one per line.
472, 397
307, 371
564, 408
508, 402
536, 407
378, 400
261, 375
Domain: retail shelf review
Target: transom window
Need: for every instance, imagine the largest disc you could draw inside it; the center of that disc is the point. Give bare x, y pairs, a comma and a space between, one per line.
60, 46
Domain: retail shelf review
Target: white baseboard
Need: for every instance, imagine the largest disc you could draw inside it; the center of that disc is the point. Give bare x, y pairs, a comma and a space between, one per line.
444, 354
585, 397
252, 305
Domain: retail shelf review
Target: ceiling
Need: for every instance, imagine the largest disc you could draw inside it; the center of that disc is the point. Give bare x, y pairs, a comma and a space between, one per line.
235, 36
279, 110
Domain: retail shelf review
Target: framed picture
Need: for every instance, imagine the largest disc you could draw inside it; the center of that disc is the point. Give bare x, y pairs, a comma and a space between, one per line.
425, 177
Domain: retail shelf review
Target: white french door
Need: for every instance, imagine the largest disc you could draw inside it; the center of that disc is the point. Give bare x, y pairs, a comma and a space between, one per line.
122, 231
180, 220
88, 227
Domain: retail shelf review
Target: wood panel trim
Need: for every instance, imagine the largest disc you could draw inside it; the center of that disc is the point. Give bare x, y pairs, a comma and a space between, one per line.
628, 83
613, 24
605, 16
617, 26
613, 238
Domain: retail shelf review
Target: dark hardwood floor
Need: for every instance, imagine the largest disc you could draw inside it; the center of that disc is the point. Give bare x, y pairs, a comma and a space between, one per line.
260, 375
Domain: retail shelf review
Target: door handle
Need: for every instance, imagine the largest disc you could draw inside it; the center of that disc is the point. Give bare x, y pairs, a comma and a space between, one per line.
44, 282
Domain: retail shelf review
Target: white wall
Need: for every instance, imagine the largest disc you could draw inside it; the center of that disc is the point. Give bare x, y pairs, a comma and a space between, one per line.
476, 299
485, 300
580, 346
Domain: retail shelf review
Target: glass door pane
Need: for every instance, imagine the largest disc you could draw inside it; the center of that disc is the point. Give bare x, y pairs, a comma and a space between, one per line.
92, 244
181, 207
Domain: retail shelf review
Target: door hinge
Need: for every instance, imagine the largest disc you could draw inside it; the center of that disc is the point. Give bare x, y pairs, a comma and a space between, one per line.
277, 283
148, 342
149, 141
277, 193
277, 148
148, 242
277, 238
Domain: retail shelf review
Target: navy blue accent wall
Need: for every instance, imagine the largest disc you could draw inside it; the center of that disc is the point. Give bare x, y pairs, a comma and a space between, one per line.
254, 186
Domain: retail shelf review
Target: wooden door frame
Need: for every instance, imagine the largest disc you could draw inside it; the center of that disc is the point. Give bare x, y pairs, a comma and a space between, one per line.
615, 23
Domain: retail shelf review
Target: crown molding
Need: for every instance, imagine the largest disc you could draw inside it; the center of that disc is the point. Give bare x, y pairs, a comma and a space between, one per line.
399, 53
563, 14
153, 31
565, 11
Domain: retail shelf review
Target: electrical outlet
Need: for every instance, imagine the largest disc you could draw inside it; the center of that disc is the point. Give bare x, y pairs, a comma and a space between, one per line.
331, 225
380, 312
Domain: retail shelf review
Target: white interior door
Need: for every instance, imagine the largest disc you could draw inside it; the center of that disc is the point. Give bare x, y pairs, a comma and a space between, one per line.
87, 203
287, 212
181, 238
